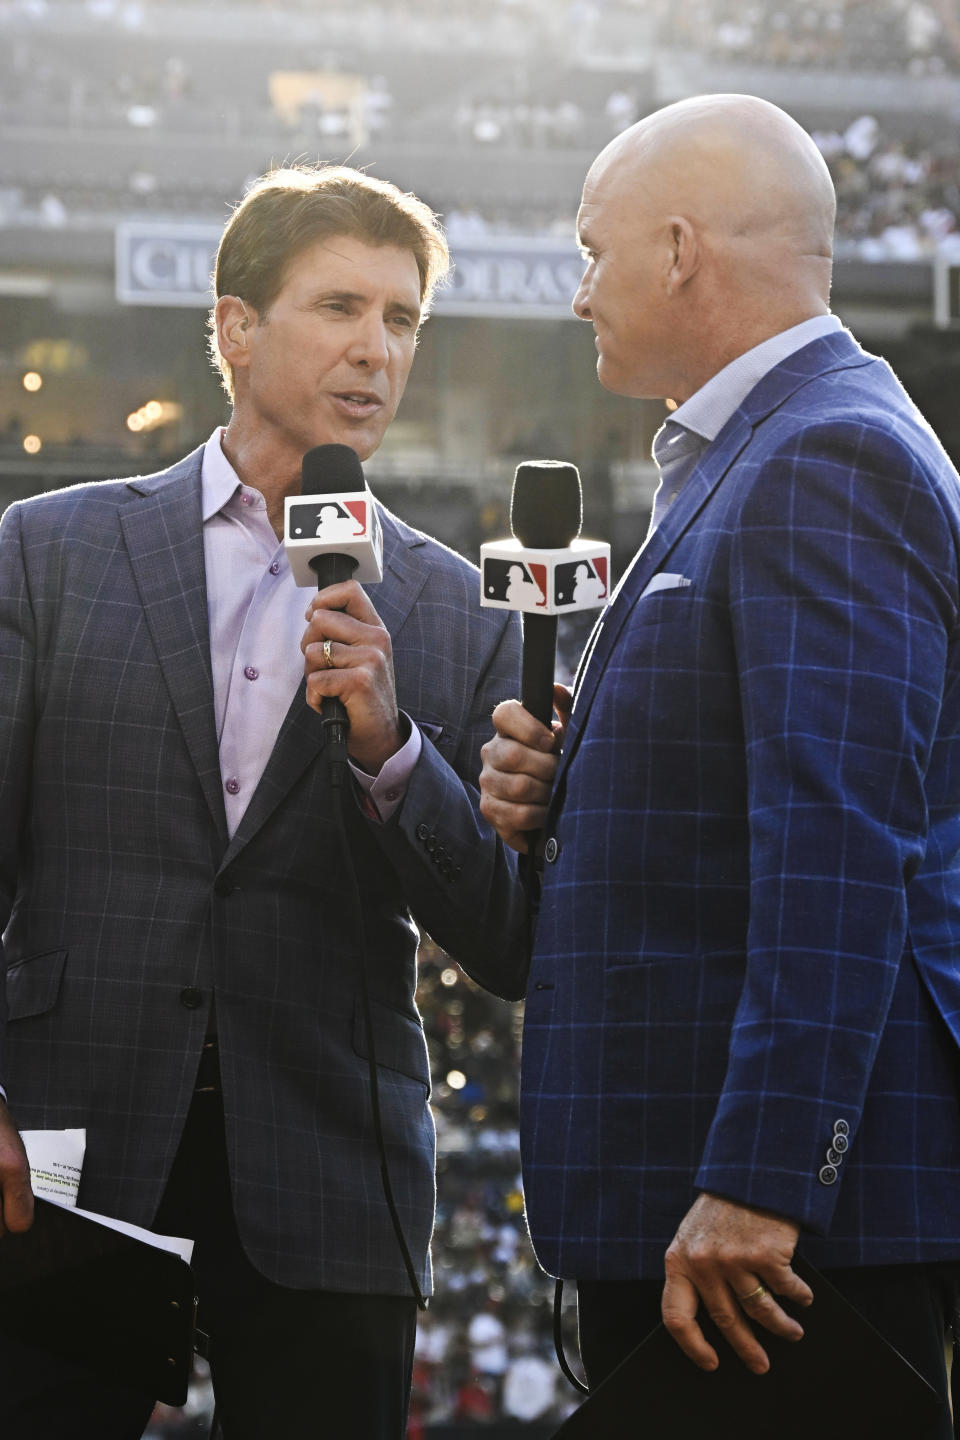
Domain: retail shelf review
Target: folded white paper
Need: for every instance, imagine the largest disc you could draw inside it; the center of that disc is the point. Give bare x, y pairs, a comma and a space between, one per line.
56, 1162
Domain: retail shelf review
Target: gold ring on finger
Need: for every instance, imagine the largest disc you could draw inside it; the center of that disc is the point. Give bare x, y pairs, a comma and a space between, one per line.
757, 1294
327, 656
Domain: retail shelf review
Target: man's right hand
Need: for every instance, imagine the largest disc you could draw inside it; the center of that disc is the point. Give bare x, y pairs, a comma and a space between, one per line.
519, 766
16, 1197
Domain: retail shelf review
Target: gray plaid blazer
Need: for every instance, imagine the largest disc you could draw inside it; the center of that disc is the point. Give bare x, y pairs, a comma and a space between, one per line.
126, 908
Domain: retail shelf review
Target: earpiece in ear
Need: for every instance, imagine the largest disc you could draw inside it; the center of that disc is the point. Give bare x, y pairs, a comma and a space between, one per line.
242, 341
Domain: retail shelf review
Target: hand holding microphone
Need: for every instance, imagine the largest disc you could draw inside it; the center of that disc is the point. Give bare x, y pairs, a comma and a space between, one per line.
333, 540
544, 571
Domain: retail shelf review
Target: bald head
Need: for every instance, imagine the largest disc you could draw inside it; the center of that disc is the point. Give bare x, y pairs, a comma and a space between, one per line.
737, 165
738, 208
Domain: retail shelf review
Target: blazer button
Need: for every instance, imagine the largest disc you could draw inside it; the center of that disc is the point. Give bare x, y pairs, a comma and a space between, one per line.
840, 1127
834, 1157
191, 998
828, 1175
551, 850
422, 831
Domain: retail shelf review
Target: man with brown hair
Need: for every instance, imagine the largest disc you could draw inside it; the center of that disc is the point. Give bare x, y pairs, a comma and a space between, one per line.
184, 927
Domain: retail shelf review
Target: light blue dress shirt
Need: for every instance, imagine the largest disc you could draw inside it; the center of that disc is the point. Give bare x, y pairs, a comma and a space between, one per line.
679, 443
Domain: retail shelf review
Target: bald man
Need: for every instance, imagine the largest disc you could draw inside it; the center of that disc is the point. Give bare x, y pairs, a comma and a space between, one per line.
743, 1011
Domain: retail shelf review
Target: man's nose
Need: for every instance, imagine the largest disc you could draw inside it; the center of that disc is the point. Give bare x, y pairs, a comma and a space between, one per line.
581, 306
368, 346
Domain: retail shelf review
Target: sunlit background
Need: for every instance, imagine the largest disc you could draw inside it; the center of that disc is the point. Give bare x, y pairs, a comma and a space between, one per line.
127, 130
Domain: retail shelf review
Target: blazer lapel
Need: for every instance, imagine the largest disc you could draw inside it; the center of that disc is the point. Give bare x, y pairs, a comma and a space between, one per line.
704, 479
163, 531
301, 735
832, 352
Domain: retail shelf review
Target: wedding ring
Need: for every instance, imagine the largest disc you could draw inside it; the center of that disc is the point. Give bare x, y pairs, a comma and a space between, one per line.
757, 1294
327, 656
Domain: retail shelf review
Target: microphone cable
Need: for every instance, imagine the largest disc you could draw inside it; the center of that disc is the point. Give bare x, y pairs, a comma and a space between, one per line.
337, 792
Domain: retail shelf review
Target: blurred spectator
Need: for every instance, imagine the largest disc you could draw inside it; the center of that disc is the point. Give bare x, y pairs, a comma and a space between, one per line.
529, 1387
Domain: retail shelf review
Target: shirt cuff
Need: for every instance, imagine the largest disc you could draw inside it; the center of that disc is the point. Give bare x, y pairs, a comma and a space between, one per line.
384, 792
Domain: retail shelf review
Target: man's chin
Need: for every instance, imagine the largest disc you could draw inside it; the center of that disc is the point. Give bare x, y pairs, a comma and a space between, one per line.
612, 379
362, 441
620, 382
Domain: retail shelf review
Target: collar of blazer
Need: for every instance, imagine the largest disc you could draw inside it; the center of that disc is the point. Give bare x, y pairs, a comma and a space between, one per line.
163, 532
837, 351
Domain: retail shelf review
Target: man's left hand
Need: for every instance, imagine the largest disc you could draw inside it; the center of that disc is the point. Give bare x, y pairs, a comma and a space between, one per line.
734, 1261
360, 672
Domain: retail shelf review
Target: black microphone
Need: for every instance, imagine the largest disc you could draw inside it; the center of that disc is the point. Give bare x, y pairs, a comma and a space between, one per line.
332, 533
546, 512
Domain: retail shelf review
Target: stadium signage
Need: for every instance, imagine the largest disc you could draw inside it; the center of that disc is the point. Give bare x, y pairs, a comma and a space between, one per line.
165, 264
512, 277
161, 263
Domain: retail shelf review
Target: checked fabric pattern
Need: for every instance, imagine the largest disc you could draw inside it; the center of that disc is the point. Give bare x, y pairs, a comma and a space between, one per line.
747, 968
126, 909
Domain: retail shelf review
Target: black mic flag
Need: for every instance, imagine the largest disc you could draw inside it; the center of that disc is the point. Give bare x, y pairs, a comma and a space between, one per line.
332, 532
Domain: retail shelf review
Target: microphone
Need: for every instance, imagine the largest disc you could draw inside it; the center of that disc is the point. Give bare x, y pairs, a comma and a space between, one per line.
331, 532
546, 512
545, 571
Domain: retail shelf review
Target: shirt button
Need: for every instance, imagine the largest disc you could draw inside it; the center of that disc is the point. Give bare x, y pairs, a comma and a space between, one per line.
275, 568
246, 499
191, 998
232, 786
252, 673
392, 795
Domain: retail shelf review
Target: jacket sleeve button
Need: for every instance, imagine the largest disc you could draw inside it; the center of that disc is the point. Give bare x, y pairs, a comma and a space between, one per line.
828, 1175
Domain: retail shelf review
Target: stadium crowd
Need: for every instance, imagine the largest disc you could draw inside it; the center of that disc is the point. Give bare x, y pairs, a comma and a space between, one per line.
899, 187
874, 35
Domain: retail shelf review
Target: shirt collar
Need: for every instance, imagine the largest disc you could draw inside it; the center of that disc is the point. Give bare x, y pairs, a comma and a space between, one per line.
709, 409
218, 479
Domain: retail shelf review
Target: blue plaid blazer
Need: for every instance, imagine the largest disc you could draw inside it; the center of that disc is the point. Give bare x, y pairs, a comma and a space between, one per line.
747, 969
126, 907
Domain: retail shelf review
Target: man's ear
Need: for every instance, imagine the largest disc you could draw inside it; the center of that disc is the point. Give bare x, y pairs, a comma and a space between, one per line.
683, 253
232, 319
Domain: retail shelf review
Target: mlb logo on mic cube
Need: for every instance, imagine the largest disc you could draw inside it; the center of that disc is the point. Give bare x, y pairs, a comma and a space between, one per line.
545, 582
341, 524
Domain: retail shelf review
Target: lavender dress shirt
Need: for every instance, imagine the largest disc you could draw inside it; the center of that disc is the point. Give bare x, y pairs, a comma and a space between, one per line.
257, 616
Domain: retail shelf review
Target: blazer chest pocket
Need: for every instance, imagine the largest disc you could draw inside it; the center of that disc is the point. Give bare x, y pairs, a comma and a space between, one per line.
665, 605
398, 1040
33, 984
